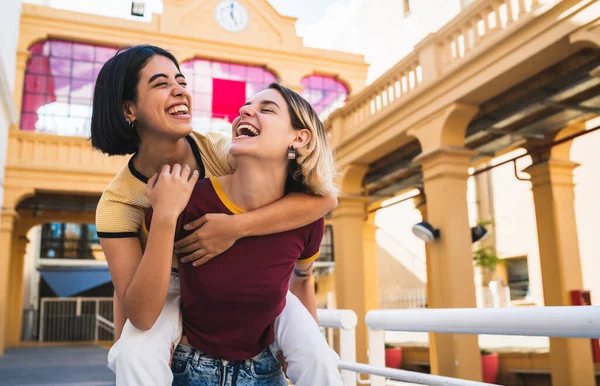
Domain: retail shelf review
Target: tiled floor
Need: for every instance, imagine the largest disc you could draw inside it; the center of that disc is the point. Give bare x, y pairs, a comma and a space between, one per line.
54, 366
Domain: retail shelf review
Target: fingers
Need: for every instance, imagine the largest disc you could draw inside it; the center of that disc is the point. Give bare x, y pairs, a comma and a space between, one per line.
198, 254
189, 239
195, 224
166, 169
194, 178
176, 171
196, 245
185, 172
208, 257
152, 182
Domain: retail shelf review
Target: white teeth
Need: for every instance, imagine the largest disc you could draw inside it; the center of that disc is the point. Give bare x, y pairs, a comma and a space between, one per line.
177, 109
249, 128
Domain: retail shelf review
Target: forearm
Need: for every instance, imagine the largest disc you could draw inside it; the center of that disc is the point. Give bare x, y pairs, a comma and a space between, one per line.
147, 292
293, 211
305, 292
119, 317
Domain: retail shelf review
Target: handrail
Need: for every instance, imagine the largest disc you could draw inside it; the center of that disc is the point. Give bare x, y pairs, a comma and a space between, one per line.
408, 376
105, 321
346, 321
563, 322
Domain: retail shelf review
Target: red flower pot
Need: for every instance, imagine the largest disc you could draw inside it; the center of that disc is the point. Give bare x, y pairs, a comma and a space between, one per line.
393, 357
489, 364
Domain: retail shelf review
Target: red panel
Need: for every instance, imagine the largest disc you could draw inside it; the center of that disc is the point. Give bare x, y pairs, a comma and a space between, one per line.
228, 96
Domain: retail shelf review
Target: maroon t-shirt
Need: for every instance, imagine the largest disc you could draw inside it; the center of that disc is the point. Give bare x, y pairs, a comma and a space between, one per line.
229, 304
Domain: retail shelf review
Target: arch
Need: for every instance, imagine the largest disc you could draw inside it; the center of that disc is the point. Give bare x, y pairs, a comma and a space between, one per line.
325, 93
220, 88
350, 179
446, 128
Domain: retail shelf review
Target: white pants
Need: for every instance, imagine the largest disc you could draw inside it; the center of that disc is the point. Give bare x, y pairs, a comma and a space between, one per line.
141, 358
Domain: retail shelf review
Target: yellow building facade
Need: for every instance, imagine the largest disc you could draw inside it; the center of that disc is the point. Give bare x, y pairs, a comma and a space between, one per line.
502, 75
48, 156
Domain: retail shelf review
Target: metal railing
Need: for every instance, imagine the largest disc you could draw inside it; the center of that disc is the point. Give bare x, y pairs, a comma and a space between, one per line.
562, 322
345, 321
74, 319
396, 297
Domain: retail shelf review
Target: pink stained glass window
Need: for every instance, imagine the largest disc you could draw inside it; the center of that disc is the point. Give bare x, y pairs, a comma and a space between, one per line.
324, 93
219, 89
59, 84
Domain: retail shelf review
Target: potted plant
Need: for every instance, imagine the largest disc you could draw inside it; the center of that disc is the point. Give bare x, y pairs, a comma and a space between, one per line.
393, 356
487, 259
489, 365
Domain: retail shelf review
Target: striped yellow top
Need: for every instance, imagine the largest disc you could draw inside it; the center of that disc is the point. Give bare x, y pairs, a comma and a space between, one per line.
123, 204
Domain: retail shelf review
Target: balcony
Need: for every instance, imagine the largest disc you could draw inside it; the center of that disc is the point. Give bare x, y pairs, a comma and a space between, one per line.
57, 164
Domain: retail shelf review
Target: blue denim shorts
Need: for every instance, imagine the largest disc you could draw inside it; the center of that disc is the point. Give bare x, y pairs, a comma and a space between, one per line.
192, 367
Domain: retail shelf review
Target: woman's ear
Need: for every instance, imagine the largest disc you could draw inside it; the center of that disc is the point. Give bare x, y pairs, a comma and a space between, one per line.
302, 138
129, 111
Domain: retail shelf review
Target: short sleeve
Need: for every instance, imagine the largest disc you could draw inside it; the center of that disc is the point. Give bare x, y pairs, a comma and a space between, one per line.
115, 219
312, 247
215, 154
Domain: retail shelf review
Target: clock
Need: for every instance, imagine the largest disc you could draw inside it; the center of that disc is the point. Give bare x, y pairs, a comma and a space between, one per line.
231, 15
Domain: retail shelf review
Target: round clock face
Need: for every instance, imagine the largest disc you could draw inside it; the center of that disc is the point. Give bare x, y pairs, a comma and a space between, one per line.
231, 15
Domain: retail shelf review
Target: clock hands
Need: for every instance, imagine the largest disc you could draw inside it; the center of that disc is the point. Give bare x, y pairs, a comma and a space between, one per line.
231, 13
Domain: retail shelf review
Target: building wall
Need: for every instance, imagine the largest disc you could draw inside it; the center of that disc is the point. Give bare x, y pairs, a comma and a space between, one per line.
515, 221
587, 208
9, 32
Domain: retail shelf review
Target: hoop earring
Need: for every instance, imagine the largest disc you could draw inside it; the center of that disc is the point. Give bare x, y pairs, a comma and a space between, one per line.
131, 124
291, 153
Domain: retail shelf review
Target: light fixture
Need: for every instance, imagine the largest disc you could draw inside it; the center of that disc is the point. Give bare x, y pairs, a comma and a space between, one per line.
425, 231
137, 8
478, 233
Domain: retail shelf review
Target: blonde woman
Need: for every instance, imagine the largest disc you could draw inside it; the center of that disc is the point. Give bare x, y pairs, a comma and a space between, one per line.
232, 305
142, 107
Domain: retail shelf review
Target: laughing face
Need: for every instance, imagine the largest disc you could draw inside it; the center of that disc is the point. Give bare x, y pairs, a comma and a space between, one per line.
264, 128
163, 104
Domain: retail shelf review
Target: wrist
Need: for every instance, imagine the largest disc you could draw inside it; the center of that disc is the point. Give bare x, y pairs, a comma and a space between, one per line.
242, 225
164, 218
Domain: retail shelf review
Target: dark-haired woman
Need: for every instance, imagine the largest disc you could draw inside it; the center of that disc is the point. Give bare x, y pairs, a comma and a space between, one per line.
141, 106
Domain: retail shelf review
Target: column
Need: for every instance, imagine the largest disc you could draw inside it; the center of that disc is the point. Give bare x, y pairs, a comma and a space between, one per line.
450, 274
355, 251
7, 222
15, 293
553, 196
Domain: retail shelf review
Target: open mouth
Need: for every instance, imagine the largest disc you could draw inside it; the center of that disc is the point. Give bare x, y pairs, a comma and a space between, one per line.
177, 111
246, 131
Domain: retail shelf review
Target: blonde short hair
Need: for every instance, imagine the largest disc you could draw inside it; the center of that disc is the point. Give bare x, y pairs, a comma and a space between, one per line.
314, 166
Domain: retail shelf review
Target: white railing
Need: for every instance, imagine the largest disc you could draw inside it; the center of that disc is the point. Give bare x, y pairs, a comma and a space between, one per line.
345, 321
563, 322
103, 324
396, 297
74, 319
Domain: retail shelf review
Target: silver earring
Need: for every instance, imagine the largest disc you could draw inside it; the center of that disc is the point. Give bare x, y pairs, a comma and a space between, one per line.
131, 124
291, 153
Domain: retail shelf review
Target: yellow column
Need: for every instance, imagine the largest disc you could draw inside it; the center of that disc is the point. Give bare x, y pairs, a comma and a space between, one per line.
7, 221
21, 66
553, 195
450, 274
355, 252
15, 294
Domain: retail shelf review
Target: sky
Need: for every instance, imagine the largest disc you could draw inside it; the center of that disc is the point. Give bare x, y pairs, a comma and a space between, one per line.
318, 20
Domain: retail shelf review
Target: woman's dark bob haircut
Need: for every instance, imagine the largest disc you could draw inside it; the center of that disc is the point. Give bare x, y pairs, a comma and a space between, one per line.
117, 82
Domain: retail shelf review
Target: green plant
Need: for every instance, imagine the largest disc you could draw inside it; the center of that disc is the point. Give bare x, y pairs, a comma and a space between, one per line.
485, 223
485, 352
486, 258
387, 345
